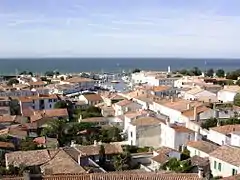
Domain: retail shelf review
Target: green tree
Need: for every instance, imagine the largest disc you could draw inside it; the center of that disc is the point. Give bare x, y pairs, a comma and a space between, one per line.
177, 166
12, 81
56, 129
236, 100
212, 122
15, 107
196, 71
122, 161
229, 82
136, 70
233, 75
102, 155
60, 104
28, 144
210, 73
220, 73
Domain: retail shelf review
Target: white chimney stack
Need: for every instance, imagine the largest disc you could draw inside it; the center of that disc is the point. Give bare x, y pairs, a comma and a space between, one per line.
200, 172
95, 143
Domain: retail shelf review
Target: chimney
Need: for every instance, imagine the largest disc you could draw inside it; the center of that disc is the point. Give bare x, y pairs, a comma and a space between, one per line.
168, 122
183, 148
200, 172
95, 143
26, 175
188, 106
218, 123
197, 135
79, 159
73, 143
100, 143
172, 99
80, 118
195, 114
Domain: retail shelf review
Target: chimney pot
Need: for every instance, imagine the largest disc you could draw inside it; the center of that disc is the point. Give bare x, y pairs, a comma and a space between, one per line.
200, 172
26, 175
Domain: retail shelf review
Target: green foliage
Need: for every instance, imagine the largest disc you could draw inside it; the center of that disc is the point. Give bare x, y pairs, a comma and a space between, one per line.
209, 73
220, 73
60, 104
122, 161
111, 134
185, 154
229, 82
56, 129
192, 72
102, 155
15, 107
177, 166
212, 122
26, 73
136, 70
91, 111
135, 149
233, 75
51, 73
12, 81
236, 100
28, 144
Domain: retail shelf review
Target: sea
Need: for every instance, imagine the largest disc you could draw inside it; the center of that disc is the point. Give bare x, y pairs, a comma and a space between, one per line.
75, 65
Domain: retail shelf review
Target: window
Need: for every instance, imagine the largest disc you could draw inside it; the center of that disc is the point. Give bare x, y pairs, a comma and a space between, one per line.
131, 134
195, 152
50, 106
50, 100
219, 166
215, 165
234, 171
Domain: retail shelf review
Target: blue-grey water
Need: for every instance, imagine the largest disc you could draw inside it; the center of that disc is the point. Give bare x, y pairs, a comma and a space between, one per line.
111, 64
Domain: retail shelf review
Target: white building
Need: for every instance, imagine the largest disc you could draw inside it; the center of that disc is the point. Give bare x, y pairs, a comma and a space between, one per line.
196, 93
201, 148
222, 134
235, 138
145, 131
80, 83
175, 136
124, 106
228, 93
225, 161
39, 102
91, 99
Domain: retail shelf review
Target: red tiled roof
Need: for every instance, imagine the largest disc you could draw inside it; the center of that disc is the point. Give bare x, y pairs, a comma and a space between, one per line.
120, 176
227, 128
6, 145
93, 97
204, 146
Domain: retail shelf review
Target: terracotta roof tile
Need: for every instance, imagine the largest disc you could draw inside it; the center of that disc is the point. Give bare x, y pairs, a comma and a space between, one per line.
6, 145
62, 163
204, 146
30, 158
94, 149
199, 109
78, 80
121, 176
227, 154
124, 102
227, 129
181, 129
146, 121
163, 154
161, 88
93, 97
95, 119
7, 118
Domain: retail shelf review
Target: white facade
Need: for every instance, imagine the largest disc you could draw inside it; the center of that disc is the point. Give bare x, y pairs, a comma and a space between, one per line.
235, 139
226, 96
132, 135
196, 96
218, 138
197, 152
221, 168
174, 139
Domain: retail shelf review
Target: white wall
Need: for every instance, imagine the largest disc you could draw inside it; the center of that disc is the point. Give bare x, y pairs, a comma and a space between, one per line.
132, 135
226, 169
226, 96
196, 152
235, 140
216, 137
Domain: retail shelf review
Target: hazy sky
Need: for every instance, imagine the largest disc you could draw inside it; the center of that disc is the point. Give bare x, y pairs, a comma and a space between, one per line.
176, 28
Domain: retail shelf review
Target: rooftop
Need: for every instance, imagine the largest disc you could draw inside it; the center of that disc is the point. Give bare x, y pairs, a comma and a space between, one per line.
190, 112
146, 121
204, 146
227, 154
119, 176
227, 129
93, 97
78, 80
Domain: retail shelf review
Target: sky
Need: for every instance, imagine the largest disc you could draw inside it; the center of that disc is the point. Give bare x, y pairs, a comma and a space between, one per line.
120, 28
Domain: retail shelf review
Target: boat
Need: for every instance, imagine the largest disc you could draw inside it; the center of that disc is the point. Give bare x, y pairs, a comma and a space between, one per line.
115, 81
